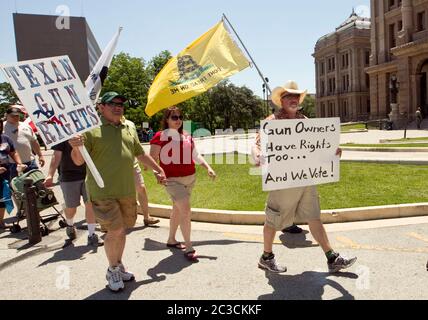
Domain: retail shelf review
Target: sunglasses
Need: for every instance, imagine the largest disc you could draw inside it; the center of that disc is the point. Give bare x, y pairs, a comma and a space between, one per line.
176, 118
291, 96
115, 104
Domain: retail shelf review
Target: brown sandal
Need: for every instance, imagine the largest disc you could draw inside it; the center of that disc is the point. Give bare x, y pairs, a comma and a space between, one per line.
150, 222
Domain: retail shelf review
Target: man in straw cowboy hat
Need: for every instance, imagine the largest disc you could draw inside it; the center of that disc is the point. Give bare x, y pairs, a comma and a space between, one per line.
289, 204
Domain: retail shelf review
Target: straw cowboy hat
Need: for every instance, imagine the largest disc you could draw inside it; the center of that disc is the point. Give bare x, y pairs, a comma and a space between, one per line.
290, 87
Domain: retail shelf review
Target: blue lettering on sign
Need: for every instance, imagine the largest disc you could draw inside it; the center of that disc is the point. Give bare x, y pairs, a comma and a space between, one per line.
73, 95
11, 72
66, 126
82, 112
65, 64
59, 76
43, 107
34, 83
41, 67
57, 97
93, 115
76, 121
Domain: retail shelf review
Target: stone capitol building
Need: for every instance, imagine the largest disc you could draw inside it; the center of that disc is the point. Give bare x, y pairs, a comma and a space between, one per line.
375, 68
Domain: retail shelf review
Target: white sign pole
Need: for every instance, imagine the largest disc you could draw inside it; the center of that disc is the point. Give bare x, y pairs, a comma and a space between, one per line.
91, 166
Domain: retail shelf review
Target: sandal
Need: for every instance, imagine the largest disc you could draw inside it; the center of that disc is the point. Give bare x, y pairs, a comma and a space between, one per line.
151, 221
191, 256
178, 246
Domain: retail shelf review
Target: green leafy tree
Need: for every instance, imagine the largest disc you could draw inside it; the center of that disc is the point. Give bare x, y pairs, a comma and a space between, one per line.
308, 107
153, 68
128, 76
7, 97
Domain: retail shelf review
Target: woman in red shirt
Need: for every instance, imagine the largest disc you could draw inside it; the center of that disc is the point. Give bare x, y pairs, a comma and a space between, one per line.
176, 152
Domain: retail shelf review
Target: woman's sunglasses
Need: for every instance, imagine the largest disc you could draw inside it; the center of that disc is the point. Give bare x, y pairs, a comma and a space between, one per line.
176, 118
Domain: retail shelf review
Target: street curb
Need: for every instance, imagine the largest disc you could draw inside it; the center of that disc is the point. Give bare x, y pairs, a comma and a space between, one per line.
327, 216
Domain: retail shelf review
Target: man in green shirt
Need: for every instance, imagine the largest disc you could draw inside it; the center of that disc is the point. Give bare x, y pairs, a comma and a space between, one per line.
113, 147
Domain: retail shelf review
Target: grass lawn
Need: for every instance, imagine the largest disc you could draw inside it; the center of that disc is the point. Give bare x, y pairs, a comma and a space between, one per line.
348, 128
361, 185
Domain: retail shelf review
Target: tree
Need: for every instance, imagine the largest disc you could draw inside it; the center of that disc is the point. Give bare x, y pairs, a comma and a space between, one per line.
7, 97
153, 68
308, 107
127, 75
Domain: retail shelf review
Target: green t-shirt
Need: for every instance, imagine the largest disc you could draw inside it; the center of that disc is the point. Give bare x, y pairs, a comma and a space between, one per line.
113, 150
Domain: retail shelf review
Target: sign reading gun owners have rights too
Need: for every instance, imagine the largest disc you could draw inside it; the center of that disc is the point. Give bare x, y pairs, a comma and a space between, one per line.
299, 153
54, 97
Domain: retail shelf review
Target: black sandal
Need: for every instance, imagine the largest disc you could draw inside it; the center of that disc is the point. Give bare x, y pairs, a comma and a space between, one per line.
178, 246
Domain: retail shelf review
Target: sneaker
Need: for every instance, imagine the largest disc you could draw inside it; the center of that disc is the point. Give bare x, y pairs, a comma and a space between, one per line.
271, 265
71, 232
94, 241
115, 282
126, 275
340, 263
293, 229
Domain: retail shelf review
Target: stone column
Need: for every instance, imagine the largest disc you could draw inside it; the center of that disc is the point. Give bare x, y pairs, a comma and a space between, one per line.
373, 37
381, 34
383, 87
355, 70
405, 35
374, 101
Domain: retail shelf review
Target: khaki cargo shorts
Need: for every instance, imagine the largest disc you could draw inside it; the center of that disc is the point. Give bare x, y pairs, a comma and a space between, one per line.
284, 207
116, 214
180, 188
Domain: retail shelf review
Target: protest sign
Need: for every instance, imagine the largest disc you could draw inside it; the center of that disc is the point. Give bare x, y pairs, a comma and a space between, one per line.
54, 97
299, 153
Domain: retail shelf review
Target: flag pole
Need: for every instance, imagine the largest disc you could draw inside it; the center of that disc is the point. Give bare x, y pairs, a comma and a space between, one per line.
248, 53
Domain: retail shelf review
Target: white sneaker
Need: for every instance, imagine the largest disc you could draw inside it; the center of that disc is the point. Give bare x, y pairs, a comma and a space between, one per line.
115, 282
126, 275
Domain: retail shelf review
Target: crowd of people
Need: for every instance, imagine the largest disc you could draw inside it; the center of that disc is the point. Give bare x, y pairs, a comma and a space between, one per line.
173, 157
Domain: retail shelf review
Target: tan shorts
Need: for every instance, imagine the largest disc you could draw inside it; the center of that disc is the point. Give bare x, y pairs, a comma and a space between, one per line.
138, 176
180, 188
284, 207
116, 214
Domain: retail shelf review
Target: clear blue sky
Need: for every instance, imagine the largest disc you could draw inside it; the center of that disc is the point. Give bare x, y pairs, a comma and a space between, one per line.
280, 34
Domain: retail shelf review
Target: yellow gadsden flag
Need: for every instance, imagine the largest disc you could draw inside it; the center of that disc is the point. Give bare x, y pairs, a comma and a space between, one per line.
208, 60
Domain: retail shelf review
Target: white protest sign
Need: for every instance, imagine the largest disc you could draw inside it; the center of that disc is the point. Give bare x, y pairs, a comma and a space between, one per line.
54, 97
299, 153
56, 101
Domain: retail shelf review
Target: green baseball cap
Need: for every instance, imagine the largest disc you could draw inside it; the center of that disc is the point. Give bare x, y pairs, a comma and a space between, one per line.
110, 96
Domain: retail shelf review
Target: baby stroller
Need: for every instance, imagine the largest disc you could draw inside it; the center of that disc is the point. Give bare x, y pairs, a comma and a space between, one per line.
45, 200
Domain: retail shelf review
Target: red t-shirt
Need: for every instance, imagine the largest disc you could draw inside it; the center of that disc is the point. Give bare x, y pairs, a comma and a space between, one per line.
176, 153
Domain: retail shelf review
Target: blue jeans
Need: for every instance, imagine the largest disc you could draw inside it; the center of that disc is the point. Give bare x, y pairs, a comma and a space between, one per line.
30, 166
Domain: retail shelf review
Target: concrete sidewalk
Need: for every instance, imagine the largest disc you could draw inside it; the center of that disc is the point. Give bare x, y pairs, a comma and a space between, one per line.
388, 252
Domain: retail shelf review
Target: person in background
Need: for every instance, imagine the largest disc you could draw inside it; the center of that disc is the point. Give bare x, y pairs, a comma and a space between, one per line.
7, 149
72, 182
24, 140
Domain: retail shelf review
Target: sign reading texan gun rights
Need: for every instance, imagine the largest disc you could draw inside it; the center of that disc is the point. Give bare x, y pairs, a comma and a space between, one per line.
54, 97
299, 153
